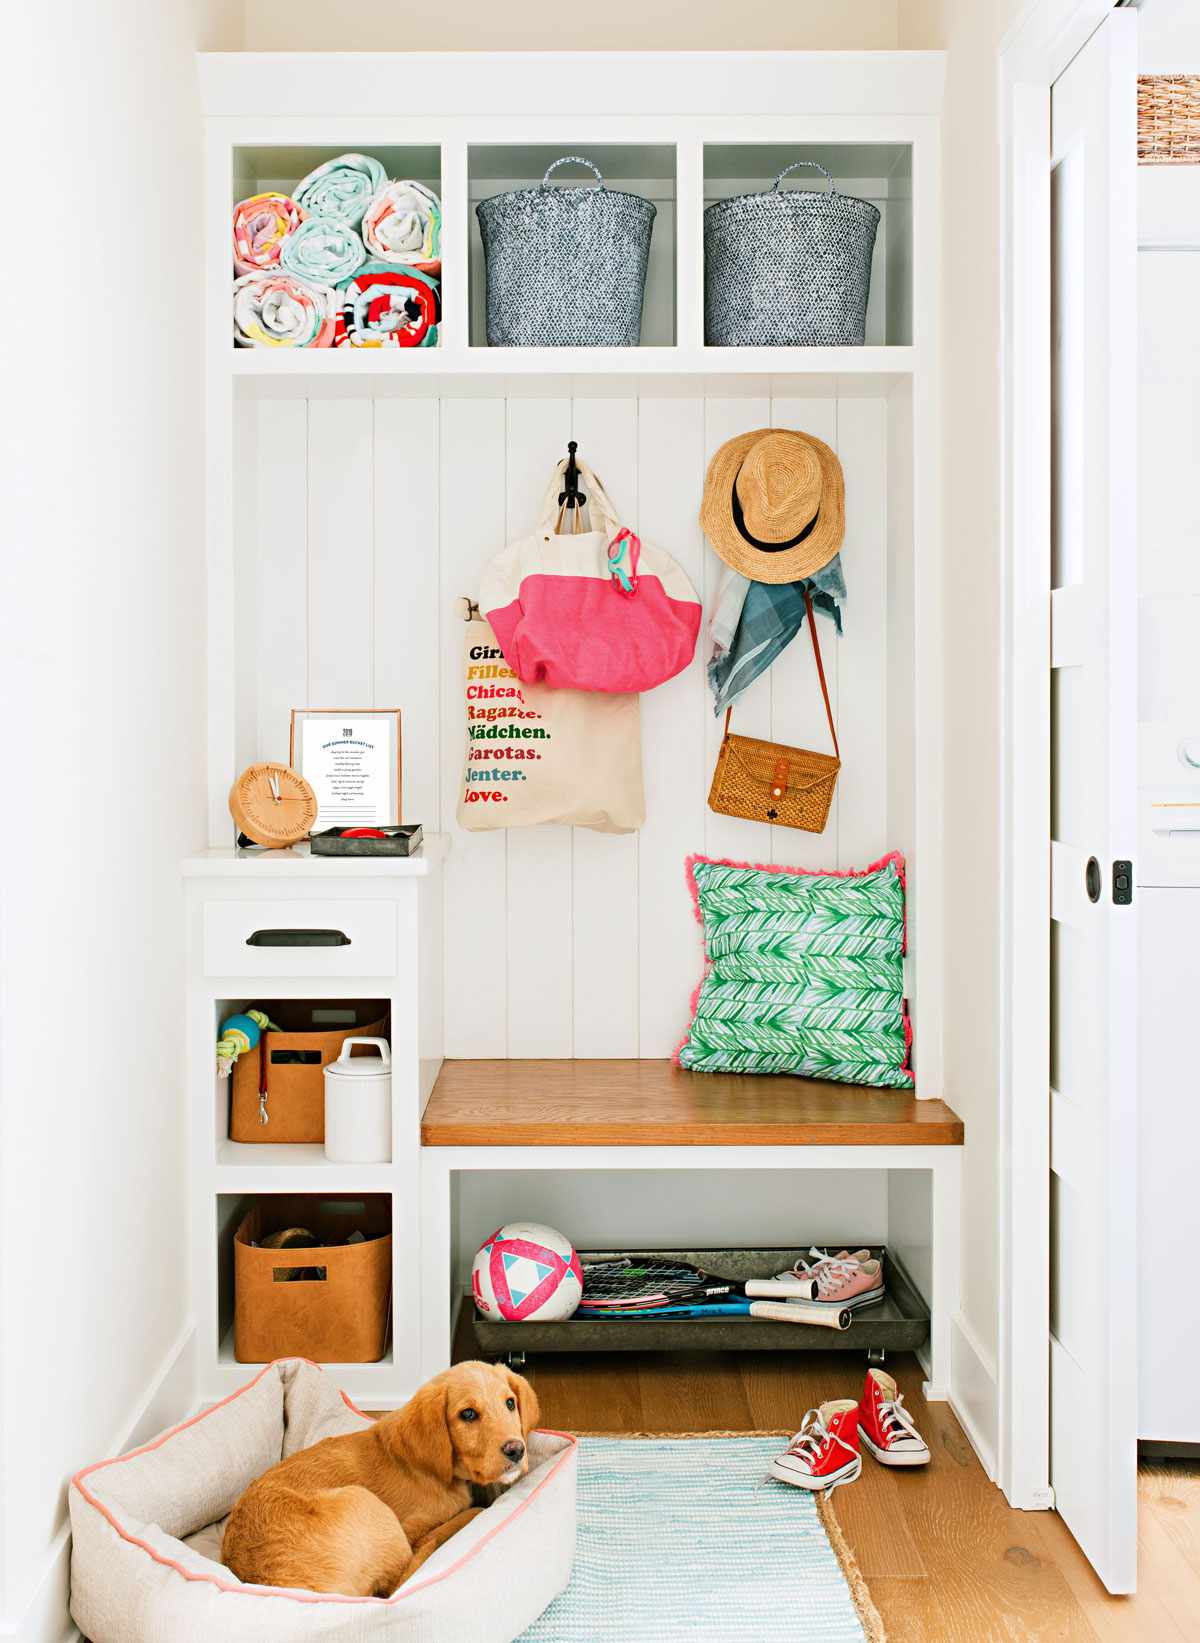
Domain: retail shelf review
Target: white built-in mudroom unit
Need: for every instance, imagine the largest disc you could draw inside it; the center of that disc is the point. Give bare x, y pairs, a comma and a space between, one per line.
537, 980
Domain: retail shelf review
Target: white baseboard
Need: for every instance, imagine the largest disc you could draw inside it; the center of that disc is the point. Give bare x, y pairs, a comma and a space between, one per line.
974, 1395
170, 1397
47, 1619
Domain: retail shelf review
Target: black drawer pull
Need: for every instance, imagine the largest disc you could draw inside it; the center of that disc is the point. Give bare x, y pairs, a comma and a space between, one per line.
298, 938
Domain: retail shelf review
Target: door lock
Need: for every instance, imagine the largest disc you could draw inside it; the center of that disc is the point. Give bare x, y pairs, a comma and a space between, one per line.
1122, 883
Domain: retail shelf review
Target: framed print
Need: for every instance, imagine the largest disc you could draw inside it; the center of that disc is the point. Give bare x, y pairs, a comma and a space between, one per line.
350, 757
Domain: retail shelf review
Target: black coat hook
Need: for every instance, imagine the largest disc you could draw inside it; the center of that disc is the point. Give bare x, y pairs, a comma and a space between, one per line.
571, 496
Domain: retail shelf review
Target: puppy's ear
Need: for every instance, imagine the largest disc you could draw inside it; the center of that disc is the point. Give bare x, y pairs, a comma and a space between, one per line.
527, 1402
419, 1432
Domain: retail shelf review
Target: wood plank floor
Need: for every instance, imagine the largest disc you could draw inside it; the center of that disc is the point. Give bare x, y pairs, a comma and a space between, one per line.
946, 1560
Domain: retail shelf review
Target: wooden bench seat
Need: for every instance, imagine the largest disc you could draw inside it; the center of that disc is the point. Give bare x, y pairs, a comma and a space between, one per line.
654, 1103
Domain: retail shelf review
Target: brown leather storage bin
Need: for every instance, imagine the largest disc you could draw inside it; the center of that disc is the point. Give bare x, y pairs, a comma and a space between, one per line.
340, 1318
296, 1090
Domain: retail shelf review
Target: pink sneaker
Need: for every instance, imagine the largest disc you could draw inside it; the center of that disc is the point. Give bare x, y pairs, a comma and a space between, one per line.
849, 1283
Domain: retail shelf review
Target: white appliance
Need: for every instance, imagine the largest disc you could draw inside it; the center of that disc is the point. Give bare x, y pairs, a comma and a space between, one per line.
1167, 871
1168, 1158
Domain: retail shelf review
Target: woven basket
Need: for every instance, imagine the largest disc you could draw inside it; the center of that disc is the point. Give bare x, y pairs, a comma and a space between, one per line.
566, 267
1169, 119
788, 270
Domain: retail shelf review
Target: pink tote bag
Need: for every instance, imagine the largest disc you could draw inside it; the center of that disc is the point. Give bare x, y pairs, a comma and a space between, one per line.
590, 610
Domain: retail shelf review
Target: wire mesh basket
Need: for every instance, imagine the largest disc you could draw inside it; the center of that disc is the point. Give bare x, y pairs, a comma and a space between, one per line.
788, 269
566, 267
1169, 119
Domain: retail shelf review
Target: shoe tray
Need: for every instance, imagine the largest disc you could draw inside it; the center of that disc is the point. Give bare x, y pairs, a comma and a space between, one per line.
898, 1323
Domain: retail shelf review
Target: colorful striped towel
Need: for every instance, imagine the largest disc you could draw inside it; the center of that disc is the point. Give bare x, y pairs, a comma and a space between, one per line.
322, 251
403, 224
341, 188
277, 310
388, 307
260, 226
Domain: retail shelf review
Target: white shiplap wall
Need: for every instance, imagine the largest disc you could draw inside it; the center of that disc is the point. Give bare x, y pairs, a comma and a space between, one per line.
364, 519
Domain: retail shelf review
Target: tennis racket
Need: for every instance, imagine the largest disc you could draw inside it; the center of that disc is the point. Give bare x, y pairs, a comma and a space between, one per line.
728, 1306
803, 1312
714, 1306
634, 1283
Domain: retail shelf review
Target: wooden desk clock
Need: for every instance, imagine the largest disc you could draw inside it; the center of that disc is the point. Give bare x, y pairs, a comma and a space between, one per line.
273, 805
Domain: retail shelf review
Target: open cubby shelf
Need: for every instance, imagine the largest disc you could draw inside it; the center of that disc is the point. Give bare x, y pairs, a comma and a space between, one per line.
672, 339
516, 1103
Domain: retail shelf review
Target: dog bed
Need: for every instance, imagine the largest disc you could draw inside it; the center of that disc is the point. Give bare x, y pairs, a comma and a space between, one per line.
147, 1530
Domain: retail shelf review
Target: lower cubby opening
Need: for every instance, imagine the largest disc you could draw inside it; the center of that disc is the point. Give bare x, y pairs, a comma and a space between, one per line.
734, 1224
331, 1301
897, 1323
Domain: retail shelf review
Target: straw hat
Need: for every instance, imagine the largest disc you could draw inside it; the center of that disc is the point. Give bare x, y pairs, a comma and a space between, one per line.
774, 504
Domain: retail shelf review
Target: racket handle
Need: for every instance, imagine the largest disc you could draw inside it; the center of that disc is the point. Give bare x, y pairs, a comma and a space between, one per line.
802, 1312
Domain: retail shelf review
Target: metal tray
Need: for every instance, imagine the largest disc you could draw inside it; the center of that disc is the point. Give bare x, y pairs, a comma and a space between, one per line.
400, 841
898, 1323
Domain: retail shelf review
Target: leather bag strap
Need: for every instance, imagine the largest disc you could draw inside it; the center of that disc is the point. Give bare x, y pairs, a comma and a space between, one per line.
816, 645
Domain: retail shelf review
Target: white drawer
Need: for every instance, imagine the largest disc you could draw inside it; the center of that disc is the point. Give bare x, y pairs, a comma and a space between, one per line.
346, 938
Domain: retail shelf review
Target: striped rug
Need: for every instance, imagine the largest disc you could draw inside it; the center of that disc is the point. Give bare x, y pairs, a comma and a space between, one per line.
686, 1539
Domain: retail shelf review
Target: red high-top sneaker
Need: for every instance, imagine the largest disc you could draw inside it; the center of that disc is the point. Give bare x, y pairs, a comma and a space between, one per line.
885, 1425
824, 1451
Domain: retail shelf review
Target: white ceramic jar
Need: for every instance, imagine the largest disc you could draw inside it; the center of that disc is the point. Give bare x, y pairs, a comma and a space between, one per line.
358, 1105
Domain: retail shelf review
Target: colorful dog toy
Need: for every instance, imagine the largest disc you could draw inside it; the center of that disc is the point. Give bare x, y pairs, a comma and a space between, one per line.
240, 1032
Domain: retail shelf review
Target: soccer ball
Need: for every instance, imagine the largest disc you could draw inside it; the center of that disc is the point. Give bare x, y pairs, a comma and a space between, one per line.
527, 1274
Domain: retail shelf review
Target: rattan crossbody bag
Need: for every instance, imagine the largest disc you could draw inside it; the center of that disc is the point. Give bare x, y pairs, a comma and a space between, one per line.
770, 782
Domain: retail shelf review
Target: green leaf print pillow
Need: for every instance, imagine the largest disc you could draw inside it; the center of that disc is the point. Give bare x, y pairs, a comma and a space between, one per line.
805, 973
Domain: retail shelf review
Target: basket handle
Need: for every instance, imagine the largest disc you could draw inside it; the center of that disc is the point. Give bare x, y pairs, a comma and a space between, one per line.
573, 159
796, 164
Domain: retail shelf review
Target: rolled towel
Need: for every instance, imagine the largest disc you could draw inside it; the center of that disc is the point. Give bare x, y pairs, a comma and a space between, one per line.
277, 310
341, 188
403, 224
322, 251
260, 226
388, 307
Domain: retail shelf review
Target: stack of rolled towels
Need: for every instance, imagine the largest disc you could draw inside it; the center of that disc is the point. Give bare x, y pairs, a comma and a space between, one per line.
347, 260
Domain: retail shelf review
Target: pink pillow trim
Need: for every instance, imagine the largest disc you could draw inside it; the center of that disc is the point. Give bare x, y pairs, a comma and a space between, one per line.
278, 1591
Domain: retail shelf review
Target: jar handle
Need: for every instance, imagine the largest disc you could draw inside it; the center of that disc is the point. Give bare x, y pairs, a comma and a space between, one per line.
796, 164
384, 1048
573, 159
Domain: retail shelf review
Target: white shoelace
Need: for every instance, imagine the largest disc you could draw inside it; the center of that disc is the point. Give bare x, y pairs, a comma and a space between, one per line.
892, 1413
810, 1439
810, 1268
831, 1274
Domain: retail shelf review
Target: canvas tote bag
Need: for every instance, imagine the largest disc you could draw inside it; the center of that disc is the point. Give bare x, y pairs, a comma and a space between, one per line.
540, 755
589, 610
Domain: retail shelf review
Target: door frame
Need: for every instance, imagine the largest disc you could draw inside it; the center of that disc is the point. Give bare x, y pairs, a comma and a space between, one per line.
1032, 56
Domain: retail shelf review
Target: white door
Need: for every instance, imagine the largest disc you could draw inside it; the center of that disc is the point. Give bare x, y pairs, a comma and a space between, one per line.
1093, 956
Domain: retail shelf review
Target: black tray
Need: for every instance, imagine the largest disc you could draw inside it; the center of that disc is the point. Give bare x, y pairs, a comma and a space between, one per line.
898, 1323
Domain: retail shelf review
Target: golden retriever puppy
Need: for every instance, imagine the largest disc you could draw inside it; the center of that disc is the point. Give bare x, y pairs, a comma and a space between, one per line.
357, 1514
